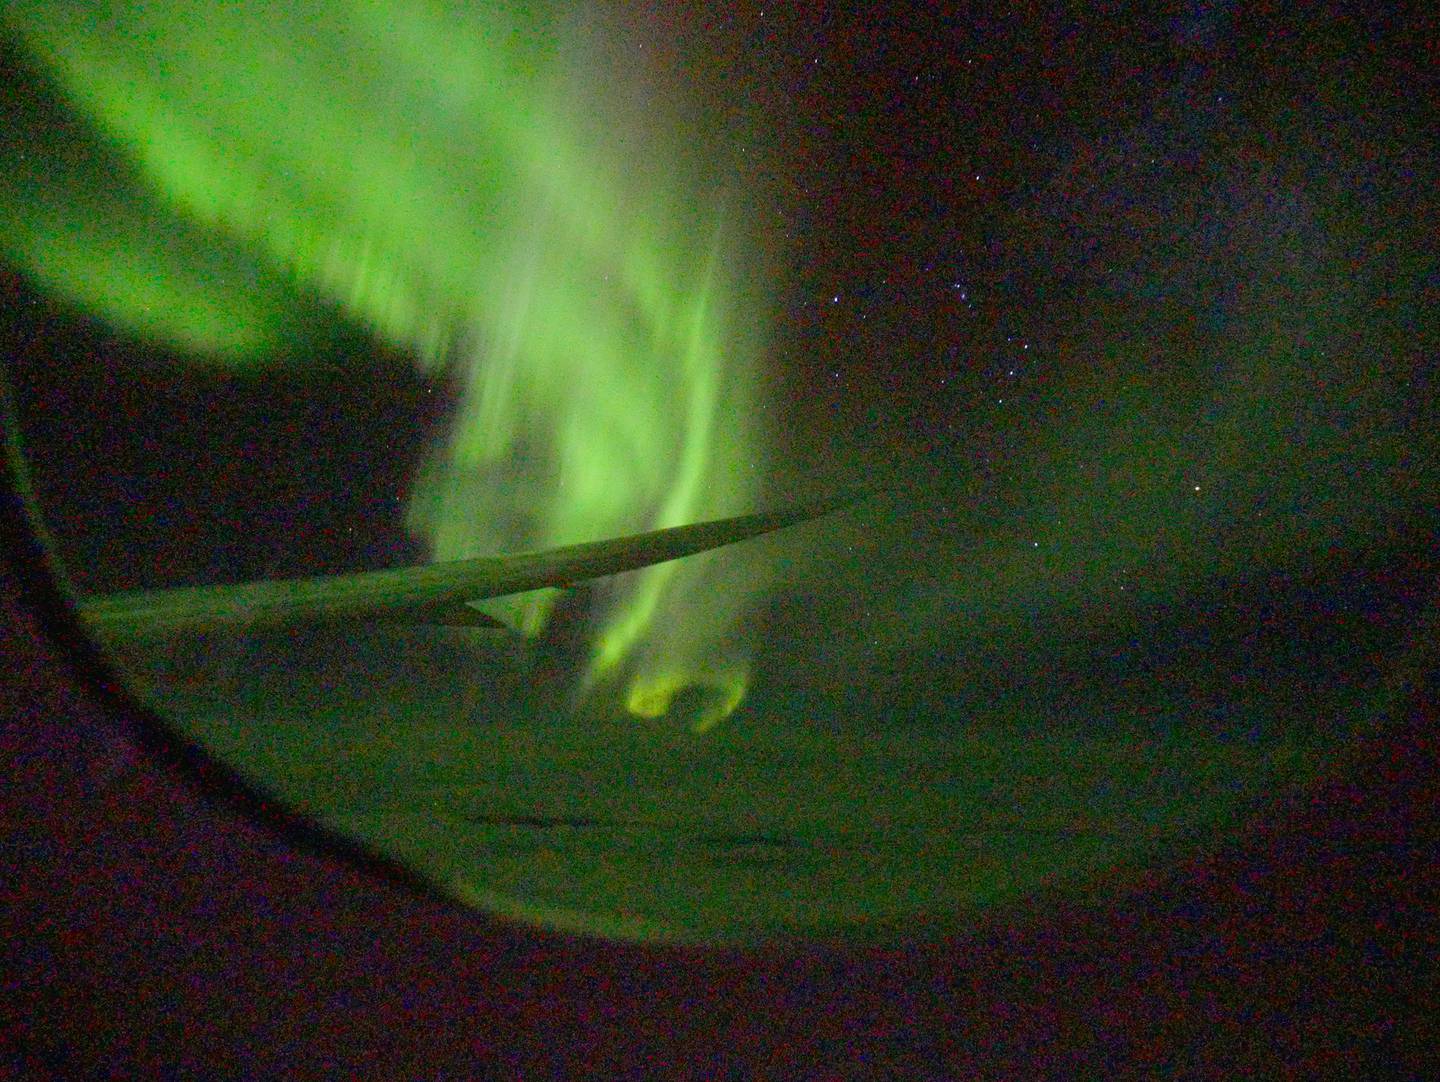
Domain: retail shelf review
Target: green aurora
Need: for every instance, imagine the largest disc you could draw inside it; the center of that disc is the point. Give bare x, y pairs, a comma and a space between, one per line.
491, 197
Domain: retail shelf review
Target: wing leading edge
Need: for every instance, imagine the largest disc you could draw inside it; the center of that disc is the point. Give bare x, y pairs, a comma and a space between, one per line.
437, 593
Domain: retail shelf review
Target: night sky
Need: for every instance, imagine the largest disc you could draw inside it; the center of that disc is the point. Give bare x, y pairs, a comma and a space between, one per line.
1117, 301
1126, 315
968, 200
1144, 297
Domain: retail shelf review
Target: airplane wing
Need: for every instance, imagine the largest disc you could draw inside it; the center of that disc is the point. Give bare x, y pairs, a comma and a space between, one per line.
436, 593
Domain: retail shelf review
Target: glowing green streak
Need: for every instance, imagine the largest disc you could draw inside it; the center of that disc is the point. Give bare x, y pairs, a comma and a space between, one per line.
78, 219
469, 191
118, 263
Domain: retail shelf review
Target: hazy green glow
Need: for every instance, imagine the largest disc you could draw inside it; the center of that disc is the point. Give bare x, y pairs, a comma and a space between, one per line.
473, 189
115, 264
79, 221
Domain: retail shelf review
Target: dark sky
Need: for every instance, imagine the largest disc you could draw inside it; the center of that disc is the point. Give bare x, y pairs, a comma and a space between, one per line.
1144, 294
959, 187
